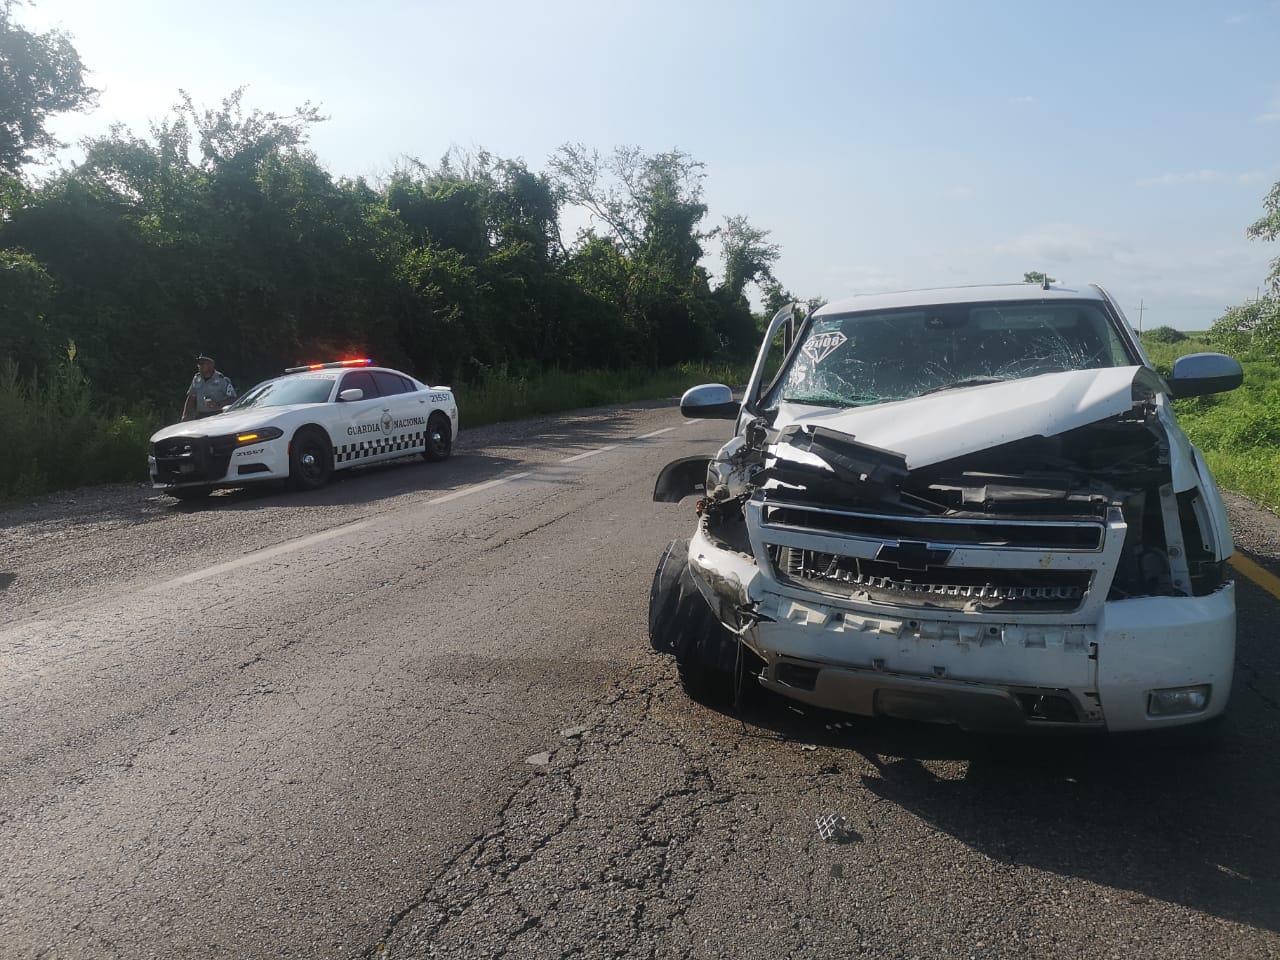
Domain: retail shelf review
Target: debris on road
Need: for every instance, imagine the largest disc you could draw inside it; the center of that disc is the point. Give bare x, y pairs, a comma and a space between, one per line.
834, 828
570, 733
539, 759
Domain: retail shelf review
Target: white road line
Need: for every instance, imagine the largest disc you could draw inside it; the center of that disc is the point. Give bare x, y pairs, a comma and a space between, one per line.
267, 554
303, 542
589, 453
694, 420
487, 485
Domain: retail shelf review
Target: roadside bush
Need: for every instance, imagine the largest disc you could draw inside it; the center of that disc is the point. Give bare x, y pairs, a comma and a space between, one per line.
65, 438
1163, 335
1249, 330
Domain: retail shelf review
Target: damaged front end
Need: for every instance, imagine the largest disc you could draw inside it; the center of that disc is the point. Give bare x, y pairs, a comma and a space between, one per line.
995, 581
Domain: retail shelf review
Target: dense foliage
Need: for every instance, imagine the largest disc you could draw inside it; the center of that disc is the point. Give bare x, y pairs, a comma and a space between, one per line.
221, 232
40, 75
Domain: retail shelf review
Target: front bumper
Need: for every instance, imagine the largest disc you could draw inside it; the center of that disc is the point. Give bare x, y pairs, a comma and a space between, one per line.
981, 671
213, 461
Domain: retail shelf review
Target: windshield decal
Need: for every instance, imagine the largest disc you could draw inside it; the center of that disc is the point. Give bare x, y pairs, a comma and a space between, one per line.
817, 348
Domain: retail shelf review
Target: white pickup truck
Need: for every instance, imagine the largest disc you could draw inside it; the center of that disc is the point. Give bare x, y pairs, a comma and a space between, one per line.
968, 505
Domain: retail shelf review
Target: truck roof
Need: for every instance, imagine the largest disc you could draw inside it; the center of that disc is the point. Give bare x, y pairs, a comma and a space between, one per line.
982, 293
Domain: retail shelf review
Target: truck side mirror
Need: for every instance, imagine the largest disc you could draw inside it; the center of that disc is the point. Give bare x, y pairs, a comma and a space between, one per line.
710, 401
1200, 374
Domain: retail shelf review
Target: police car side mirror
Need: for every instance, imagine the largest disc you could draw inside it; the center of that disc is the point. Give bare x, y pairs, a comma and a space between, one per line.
351, 395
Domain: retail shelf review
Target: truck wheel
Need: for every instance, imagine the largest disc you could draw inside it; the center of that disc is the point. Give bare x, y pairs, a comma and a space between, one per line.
439, 438
310, 459
191, 493
681, 623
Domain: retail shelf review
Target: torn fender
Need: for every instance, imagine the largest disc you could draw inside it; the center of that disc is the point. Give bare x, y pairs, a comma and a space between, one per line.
681, 478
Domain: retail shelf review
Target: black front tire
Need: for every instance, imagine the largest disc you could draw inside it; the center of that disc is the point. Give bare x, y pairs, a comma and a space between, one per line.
439, 438
310, 459
681, 623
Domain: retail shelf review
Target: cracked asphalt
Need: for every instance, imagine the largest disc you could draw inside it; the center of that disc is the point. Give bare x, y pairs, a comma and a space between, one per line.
439, 732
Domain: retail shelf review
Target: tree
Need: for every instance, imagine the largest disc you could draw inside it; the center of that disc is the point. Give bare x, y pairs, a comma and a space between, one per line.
1267, 227
40, 75
748, 256
1035, 276
1251, 329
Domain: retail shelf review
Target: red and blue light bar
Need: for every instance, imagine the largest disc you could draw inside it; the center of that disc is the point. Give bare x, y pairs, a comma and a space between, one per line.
333, 365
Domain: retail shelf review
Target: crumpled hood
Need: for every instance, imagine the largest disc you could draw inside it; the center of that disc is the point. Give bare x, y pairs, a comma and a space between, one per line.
240, 421
941, 426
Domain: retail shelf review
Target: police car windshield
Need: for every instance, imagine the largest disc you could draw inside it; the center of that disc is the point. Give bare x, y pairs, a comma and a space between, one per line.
281, 393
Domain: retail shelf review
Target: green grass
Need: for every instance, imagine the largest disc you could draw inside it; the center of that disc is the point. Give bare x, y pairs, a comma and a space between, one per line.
60, 436
57, 436
504, 396
1238, 432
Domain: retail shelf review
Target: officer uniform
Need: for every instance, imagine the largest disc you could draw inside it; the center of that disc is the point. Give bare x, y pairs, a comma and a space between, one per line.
211, 395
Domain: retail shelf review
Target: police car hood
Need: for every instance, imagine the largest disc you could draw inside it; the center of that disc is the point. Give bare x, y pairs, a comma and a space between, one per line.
234, 421
952, 423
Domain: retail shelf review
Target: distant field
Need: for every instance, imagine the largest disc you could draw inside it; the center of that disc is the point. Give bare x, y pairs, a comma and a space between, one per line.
1238, 432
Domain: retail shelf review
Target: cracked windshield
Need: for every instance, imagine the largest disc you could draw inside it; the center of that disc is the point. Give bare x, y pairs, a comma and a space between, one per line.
865, 358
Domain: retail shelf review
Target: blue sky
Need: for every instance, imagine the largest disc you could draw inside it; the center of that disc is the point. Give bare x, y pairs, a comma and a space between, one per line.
886, 145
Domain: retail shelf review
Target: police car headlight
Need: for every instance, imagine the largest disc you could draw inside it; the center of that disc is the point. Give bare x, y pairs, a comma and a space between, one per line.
258, 436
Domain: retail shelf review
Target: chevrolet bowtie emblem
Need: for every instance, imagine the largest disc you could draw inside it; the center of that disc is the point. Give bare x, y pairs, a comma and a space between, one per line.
913, 555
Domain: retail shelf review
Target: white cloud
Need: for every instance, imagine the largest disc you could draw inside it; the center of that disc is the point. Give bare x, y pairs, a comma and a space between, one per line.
1194, 176
1203, 176
1058, 243
1022, 99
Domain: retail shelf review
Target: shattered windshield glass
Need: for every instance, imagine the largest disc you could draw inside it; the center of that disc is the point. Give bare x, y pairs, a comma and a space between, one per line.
855, 359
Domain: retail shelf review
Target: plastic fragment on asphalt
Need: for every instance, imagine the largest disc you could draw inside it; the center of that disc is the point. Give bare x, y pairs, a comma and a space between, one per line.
833, 828
570, 732
808, 746
539, 759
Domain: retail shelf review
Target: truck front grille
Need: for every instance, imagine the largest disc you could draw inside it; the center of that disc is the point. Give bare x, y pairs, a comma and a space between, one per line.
955, 588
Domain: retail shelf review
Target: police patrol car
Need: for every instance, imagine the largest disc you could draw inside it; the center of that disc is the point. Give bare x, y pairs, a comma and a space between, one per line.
303, 426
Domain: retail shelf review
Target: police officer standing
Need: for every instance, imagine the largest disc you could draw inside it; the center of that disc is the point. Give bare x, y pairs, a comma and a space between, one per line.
210, 391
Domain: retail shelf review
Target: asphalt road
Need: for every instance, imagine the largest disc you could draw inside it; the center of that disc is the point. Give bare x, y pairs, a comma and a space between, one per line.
415, 715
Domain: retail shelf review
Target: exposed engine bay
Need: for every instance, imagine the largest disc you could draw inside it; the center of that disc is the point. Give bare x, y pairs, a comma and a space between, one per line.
1062, 495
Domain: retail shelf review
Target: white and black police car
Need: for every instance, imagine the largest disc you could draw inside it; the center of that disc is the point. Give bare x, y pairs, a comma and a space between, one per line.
303, 426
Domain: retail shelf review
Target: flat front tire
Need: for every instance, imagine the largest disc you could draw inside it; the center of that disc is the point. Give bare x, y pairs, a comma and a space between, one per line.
681, 623
310, 459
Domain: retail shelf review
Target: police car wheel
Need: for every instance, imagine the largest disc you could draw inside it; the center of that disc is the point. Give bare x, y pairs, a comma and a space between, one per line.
439, 438
310, 460
191, 493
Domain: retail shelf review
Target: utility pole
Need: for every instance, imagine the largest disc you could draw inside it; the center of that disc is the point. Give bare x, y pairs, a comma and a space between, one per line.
1142, 306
